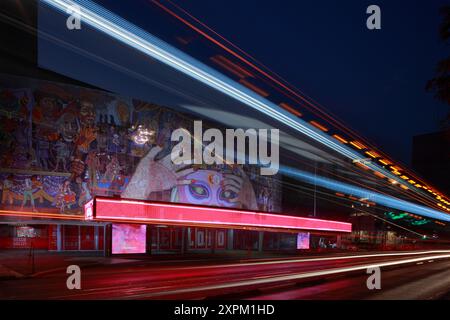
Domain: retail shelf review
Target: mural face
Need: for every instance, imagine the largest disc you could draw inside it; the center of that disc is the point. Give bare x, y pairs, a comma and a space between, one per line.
207, 187
61, 145
216, 188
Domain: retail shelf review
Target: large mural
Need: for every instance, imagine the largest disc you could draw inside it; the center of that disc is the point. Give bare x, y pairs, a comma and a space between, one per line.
61, 145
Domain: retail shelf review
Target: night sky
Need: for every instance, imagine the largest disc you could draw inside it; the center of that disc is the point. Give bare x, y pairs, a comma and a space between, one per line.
372, 80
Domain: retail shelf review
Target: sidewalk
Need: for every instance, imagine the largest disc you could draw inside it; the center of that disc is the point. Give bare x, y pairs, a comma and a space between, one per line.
19, 263
7, 273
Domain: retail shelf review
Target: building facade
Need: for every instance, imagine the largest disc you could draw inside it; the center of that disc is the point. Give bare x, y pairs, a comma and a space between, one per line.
88, 115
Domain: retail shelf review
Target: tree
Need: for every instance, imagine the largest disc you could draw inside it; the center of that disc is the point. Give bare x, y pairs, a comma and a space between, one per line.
440, 84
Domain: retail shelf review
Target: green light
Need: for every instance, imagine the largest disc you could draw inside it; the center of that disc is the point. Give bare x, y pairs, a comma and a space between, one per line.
395, 216
419, 222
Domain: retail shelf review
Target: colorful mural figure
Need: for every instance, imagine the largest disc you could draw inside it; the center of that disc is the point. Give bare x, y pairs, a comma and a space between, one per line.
7, 194
65, 197
189, 184
61, 145
28, 194
62, 151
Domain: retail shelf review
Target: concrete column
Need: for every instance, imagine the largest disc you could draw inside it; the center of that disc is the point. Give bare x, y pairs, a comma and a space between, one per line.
260, 241
278, 241
213, 240
183, 240
58, 238
105, 251
230, 239
96, 237
157, 239
79, 238
108, 240
149, 240
188, 240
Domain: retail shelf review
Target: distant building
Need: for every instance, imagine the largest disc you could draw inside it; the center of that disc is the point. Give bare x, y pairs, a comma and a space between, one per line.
431, 158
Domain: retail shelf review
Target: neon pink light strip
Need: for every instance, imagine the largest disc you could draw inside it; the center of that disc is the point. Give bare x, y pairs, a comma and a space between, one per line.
147, 212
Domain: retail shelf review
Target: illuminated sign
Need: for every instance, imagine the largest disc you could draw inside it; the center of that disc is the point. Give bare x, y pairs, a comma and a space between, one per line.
134, 211
89, 210
303, 239
128, 238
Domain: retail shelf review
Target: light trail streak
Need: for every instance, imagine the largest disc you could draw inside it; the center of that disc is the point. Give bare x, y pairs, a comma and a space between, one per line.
364, 193
281, 82
155, 48
290, 277
41, 215
281, 261
271, 75
125, 32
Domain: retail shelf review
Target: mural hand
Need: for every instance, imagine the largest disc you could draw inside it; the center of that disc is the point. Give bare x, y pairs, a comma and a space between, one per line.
155, 175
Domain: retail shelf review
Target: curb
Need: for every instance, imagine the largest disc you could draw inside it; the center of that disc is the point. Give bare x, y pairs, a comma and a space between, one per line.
44, 272
11, 274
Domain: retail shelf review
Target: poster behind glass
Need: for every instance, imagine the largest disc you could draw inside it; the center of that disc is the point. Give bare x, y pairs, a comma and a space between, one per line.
128, 238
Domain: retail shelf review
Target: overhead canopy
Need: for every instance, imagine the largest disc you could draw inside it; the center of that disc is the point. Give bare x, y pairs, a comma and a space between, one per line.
150, 212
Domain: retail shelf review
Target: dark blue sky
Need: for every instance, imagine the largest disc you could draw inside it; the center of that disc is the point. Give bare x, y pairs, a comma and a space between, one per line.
372, 80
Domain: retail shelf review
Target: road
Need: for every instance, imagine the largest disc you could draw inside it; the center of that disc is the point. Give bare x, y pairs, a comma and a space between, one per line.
413, 275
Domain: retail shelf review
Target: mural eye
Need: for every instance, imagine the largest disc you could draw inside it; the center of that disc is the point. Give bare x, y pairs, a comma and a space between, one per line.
198, 191
227, 195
